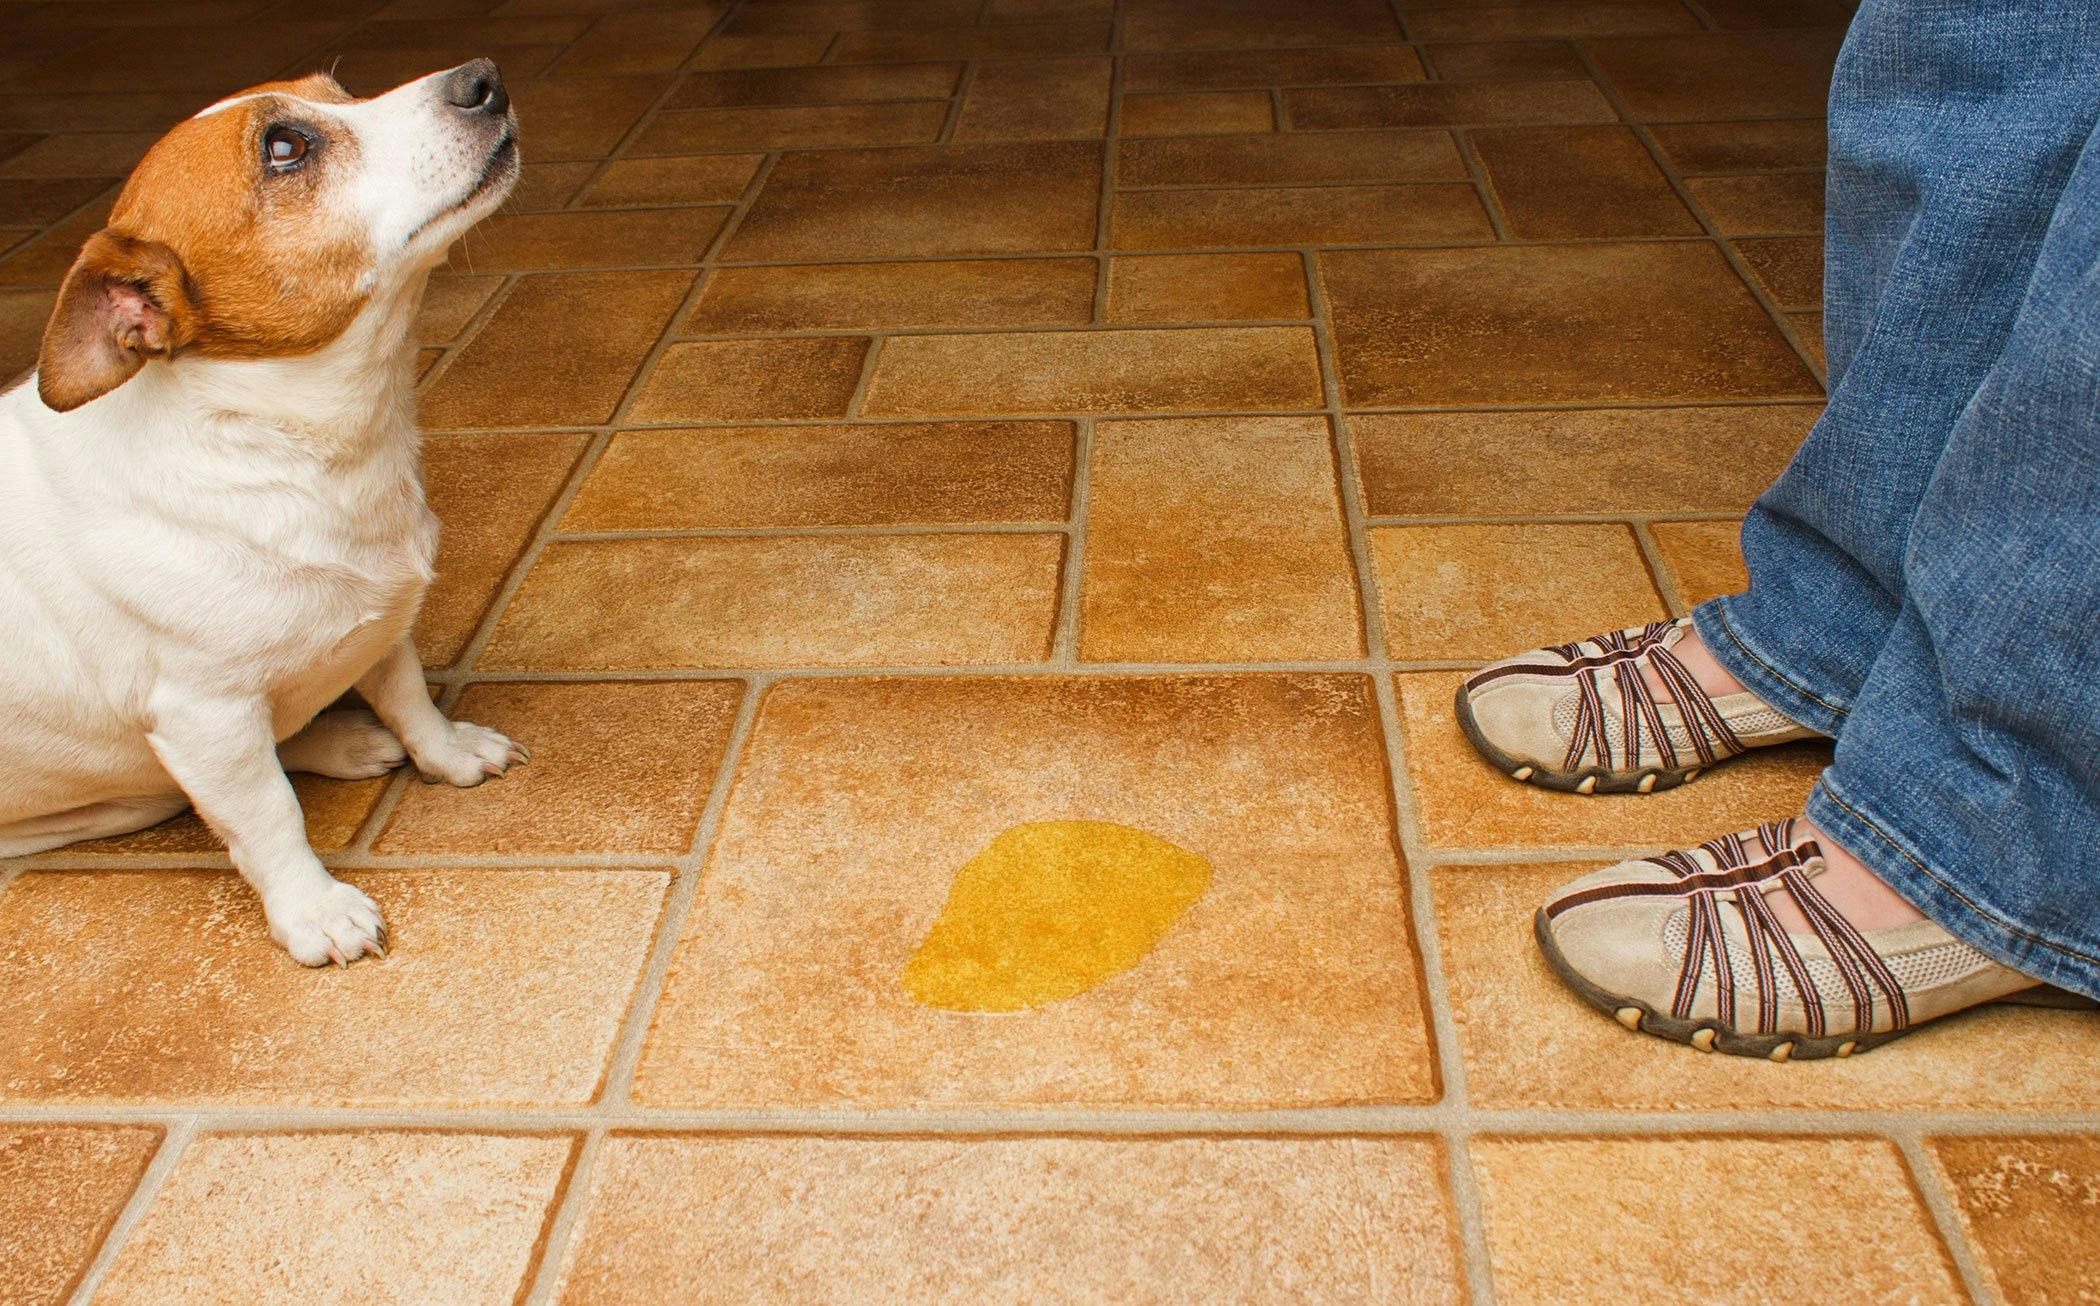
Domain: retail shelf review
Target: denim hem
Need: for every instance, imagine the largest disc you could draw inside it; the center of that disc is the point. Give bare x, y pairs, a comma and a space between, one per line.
1778, 688
1890, 855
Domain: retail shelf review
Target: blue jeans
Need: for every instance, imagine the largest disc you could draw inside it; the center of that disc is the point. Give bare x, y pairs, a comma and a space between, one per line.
1925, 577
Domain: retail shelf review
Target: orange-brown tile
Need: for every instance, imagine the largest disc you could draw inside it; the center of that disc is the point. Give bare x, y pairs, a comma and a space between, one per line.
1197, 113
1704, 558
762, 50
61, 1187
1506, 61
195, 58
1232, 24
1758, 15
45, 260
796, 127
1530, 1042
653, 603
1036, 99
616, 768
851, 15
887, 474
829, 84
1599, 460
1277, 215
1039, 11
1556, 1234
559, 351
538, 29
449, 303
489, 493
1809, 328
525, 242
1707, 147
1478, 593
1446, 104
1214, 369
1462, 802
532, 970
700, 179
1217, 540
1573, 18
373, 72
1760, 205
679, 1217
22, 317
579, 117
1290, 157
887, 296
637, 42
1717, 77
957, 199
1206, 288
409, 1216
1789, 267
80, 154
1007, 41
1290, 983
72, 111
740, 380
35, 201
1557, 182
543, 186
1540, 324
1225, 69
2029, 1207
334, 810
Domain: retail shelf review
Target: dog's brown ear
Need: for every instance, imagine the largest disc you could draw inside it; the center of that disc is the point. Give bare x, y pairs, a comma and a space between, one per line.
125, 301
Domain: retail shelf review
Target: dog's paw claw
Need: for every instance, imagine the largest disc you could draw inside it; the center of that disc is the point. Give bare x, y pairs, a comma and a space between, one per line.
473, 754
333, 923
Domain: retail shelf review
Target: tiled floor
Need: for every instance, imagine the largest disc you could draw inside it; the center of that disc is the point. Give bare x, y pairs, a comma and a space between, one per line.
878, 424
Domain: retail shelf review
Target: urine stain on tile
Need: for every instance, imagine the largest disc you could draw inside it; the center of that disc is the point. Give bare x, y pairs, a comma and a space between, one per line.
1049, 910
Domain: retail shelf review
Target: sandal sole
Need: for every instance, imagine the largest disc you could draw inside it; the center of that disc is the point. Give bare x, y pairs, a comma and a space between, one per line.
1568, 782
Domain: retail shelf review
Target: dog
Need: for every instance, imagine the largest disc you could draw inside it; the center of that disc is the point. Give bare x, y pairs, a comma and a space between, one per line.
212, 523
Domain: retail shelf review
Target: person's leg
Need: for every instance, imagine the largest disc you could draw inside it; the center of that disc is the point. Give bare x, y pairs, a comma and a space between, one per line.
1954, 126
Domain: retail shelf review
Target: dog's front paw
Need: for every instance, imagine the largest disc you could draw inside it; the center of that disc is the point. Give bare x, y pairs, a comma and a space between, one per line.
331, 921
472, 755
349, 744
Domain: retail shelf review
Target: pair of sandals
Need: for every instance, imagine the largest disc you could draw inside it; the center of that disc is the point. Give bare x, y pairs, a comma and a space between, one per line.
1687, 945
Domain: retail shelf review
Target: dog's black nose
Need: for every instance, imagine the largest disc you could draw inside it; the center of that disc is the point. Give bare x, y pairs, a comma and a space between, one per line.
477, 87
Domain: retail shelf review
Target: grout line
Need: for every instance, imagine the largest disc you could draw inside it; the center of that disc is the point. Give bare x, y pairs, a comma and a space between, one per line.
1476, 168
957, 96
1939, 1207
165, 1156
1660, 573
884, 530
1064, 648
545, 1276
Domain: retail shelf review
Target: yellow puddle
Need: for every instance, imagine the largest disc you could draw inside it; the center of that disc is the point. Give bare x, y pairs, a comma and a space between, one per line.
1049, 910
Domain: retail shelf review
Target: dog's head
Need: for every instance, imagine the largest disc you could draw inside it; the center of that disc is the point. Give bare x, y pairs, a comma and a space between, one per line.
262, 226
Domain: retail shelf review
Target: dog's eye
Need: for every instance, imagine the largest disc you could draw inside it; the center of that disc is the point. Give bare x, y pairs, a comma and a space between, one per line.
283, 148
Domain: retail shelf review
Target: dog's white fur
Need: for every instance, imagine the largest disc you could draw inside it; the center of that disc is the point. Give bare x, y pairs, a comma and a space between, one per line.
197, 563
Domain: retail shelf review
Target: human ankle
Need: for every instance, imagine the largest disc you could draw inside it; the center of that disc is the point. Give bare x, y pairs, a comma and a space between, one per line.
1709, 674
1847, 885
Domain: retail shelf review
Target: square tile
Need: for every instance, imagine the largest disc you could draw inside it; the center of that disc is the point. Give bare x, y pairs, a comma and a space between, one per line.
1225, 69
1001, 42
1206, 288
1462, 802
1208, 369
61, 1187
1770, 204
2027, 1206
1575, 460
797, 127
886, 296
1284, 158
1037, 99
538, 242
1556, 1234
1573, 18
490, 493
796, 601
1290, 983
1704, 558
1698, 148
1197, 113
887, 474
703, 179
820, 85
1544, 324
1507, 61
1446, 104
616, 768
738, 380
335, 810
531, 970
1230, 24
1790, 268
1313, 215
1589, 182
957, 199
1477, 593
1217, 540
407, 1216
809, 1218
560, 350
579, 117
1718, 77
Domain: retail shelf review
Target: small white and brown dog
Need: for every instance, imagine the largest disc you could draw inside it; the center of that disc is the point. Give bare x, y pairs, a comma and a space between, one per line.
212, 521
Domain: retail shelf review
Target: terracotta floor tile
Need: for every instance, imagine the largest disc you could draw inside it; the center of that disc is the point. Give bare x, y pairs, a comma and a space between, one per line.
61, 1187
738, 380
73, 111
420, 1216
172, 58
1033, 11
23, 314
1775, 203
1462, 802
335, 810
539, 29
1507, 61
1761, 14
1575, 18
1225, 69
957, 199
1556, 1234
80, 154
38, 201
531, 242
888, 296
373, 72
1206, 288
1217, 540
1446, 104
13, 143
1600, 460
1230, 24
1479, 593
616, 768
544, 186
579, 117
771, 128
638, 42
1544, 324
1043, 1218
1036, 99
807, 601
1706, 147
1198, 113
559, 351
44, 262
1789, 267
1704, 558
1715, 77
762, 50
1290, 157
852, 15
705, 179
1559, 182
887, 474
532, 970
1289, 984
1323, 215
819, 85
449, 303
1011, 40
2028, 1206
1809, 326
1245, 369
489, 493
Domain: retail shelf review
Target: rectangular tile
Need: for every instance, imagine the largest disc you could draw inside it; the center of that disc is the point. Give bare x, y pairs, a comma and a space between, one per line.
547, 186
44, 261
80, 154
887, 474
1808, 328
1715, 76
170, 58
888, 296
796, 601
334, 810
1036, 99
579, 117
61, 1187
1478, 593
1290, 982
23, 314
1217, 540
1753, 15
532, 970
1007, 41
37, 201
1290, 157
1590, 182
1772, 204
1197, 113
701, 179
815, 126
1226, 69
1573, 18
1231, 24
1224, 369
2027, 1207
1696, 148
1320, 215
851, 1219
1506, 61
851, 15
1206, 287
449, 303
744, 380
1446, 104
762, 50
638, 42
820, 85
1790, 268
538, 242
1703, 559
